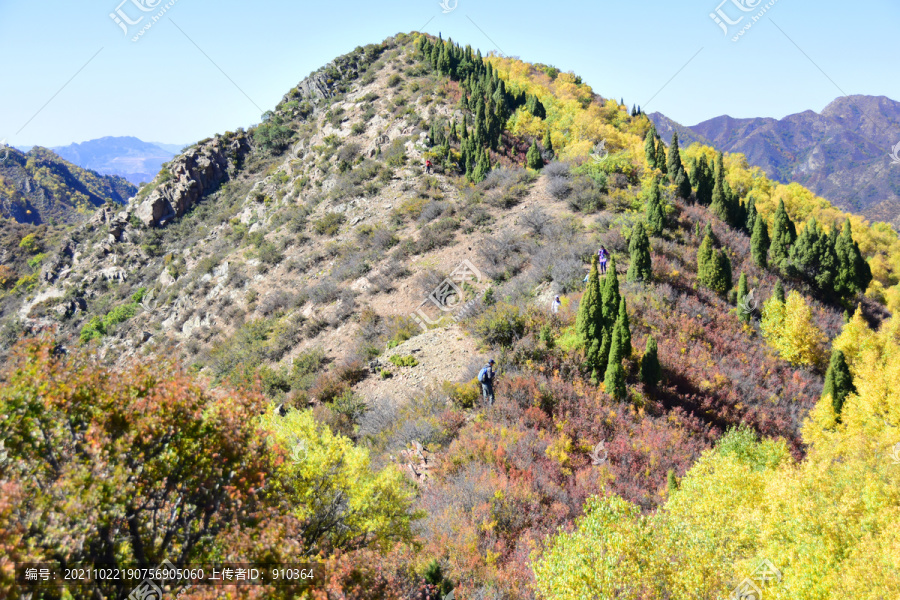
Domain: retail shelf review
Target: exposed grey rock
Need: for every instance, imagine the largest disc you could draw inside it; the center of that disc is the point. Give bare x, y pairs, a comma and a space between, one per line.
197, 172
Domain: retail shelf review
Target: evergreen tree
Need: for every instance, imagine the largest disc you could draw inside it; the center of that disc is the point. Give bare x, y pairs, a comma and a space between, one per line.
813, 257
722, 278
589, 322
482, 166
705, 258
742, 292
704, 181
603, 359
671, 482
713, 267
682, 185
719, 204
759, 242
778, 292
661, 155
853, 272
656, 220
651, 371
783, 235
614, 381
534, 106
622, 330
533, 158
640, 267
838, 381
750, 221
548, 144
610, 294
650, 148
673, 163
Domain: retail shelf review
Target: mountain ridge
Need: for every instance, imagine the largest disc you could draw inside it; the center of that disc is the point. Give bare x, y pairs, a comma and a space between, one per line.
38, 186
126, 156
840, 153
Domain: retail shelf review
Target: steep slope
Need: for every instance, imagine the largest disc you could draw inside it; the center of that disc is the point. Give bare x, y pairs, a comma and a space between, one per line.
313, 260
841, 153
128, 157
40, 187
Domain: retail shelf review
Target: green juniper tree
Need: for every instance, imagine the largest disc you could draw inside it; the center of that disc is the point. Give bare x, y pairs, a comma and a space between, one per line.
742, 293
783, 235
750, 220
705, 257
650, 148
812, 256
673, 162
661, 155
682, 185
614, 381
853, 272
778, 292
721, 278
721, 202
533, 158
640, 267
703, 181
671, 482
838, 381
651, 371
622, 330
589, 323
656, 219
759, 242
548, 144
610, 294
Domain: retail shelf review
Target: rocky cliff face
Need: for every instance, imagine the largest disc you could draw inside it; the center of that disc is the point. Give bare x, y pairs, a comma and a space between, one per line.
197, 172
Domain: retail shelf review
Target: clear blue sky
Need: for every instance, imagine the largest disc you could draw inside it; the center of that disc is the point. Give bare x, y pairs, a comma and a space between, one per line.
165, 88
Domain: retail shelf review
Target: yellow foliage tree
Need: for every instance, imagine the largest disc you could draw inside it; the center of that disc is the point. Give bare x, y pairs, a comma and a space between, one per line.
789, 328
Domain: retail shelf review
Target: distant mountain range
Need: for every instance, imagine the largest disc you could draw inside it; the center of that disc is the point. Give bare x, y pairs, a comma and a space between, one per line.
40, 187
842, 153
129, 157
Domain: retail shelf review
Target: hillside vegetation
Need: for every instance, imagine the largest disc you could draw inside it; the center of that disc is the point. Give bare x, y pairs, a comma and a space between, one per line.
240, 367
40, 187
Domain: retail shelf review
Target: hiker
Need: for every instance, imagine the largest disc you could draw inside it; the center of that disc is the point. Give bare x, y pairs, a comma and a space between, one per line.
602, 257
486, 378
428, 166
554, 308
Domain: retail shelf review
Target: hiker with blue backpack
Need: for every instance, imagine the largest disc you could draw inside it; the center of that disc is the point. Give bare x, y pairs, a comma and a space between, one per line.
602, 257
486, 379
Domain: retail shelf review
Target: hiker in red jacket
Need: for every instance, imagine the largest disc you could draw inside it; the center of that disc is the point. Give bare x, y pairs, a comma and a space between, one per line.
428, 166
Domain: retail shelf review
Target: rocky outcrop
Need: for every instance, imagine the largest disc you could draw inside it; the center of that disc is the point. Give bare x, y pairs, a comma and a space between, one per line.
195, 173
